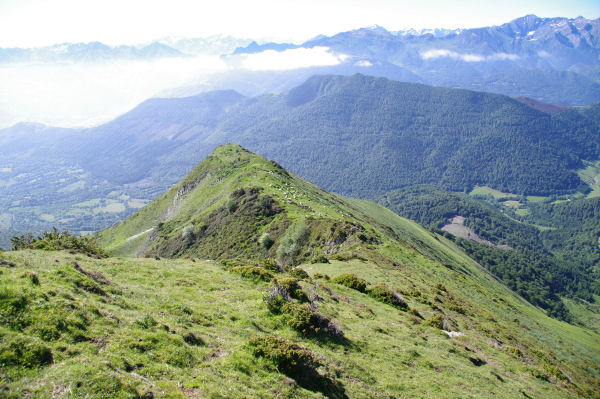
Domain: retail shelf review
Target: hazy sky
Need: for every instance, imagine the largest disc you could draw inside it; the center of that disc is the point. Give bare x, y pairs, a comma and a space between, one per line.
25, 23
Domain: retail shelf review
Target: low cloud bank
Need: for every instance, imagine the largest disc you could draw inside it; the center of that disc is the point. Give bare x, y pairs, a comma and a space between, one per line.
291, 59
441, 53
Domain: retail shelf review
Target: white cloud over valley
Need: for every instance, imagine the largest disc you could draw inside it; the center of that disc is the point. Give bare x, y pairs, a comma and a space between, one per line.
84, 94
291, 59
442, 53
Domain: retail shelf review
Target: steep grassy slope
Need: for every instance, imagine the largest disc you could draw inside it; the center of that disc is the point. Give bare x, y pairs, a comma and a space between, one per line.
73, 325
189, 328
223, 209
223, 206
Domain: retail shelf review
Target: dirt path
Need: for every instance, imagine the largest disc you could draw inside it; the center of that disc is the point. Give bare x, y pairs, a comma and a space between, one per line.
133, 237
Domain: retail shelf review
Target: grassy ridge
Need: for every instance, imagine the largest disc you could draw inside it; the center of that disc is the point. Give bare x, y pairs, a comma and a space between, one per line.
179, 328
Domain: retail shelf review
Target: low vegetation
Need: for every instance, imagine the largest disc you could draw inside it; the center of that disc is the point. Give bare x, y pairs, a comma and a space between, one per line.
55, 240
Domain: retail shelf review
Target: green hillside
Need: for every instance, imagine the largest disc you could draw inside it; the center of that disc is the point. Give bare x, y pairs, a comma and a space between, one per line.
542, 266
345, 299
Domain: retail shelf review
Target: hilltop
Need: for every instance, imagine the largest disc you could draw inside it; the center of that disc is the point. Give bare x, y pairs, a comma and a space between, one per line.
345, 299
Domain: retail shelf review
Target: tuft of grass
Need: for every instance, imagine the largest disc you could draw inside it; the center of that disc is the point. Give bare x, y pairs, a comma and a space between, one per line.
383, 294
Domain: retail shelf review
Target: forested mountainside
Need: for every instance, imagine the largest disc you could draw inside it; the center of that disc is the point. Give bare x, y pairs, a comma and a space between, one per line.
359, 136
541, 265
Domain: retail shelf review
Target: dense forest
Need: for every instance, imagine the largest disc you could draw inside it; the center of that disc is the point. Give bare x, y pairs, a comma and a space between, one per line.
363, 136
542, 266
575, 236
355, 135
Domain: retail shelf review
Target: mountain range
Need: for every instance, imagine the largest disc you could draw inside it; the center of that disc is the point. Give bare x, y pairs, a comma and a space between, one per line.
357, 135
398, 231
548, 59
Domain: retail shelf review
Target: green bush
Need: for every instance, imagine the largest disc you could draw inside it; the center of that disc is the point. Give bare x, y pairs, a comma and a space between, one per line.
266, 241
299, 273
253, 272
292, 241
290, 284
271, 265
56, 241
276, 297
383, 294
297, 362
350, 280
436, 322
319, 259
231, 205
321, 276
309, 322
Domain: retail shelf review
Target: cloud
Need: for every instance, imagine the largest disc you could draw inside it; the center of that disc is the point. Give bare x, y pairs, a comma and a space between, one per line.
441, 53
271, 60
65, 94
364, 63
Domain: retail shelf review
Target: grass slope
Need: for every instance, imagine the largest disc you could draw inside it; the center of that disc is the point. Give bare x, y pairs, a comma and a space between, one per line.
179, 328
363, 315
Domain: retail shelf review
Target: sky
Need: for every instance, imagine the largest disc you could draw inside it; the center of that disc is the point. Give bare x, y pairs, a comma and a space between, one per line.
34, 23
85, 94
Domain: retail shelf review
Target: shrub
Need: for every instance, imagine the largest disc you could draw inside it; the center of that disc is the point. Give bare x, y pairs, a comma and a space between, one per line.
271, 265
350, 280
231, 205
297, 362
309, 322
292, 241
253, 272
299, 273
276, 297
436, 322
513, 351
56, 241
321, 276
319, 259
383, 294
266, 241
290, 284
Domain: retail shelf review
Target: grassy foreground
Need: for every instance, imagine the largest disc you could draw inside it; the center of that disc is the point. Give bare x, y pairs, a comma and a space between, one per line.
309, 294
123, 328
